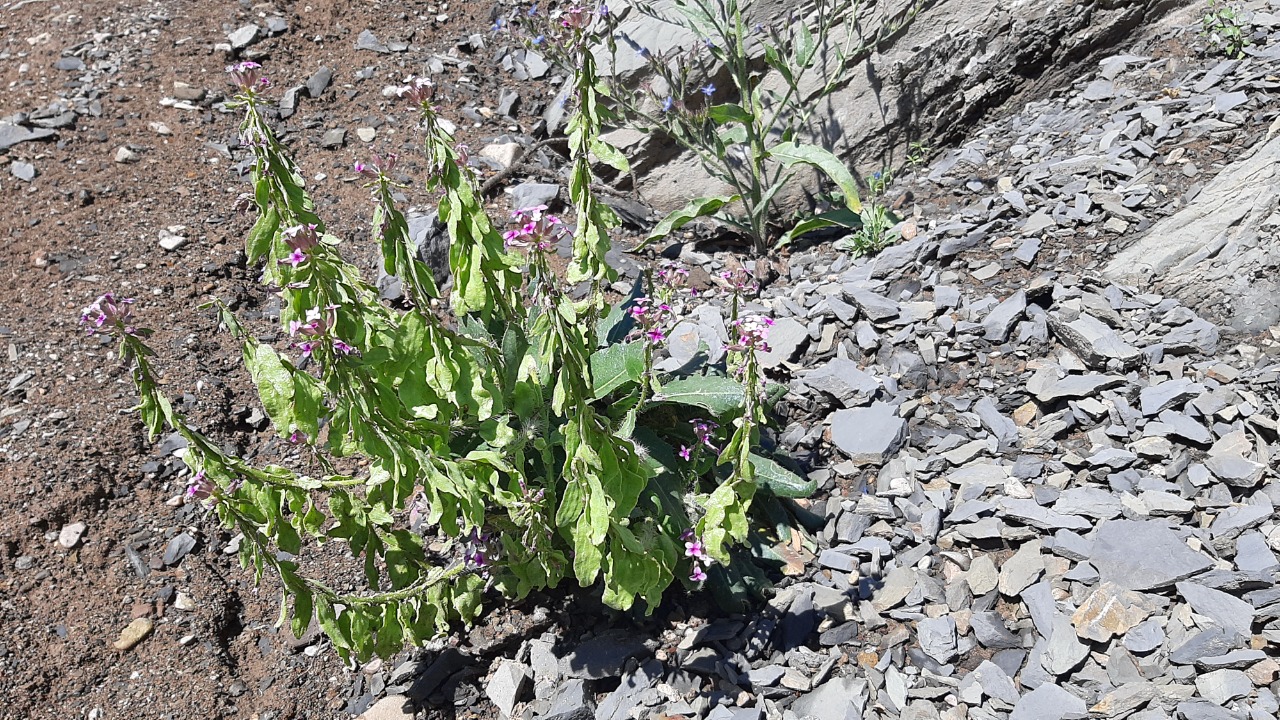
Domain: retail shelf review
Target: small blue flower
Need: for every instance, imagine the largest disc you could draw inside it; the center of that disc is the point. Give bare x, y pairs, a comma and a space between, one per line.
667, 103
538, 40
708, 89
709, 43
533, 10
643, 52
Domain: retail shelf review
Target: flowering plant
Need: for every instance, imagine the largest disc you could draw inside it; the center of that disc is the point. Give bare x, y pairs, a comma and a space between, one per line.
746, 133
509, 448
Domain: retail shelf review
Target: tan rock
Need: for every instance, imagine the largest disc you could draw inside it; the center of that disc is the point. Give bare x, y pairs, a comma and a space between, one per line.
1023, 416
392, 707
1263, 672
1109, 610
133, 633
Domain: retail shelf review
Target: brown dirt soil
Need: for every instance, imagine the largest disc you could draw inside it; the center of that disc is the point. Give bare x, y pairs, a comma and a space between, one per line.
71, 449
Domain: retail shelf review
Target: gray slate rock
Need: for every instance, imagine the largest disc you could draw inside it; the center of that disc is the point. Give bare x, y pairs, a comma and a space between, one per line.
1223, 686
178, 547
319, 82
244, 37
603, 655
1001, 320
11, 135
870, 435
532, 194
1144, 555
842, 379
838, 699
1049, 702
1169, 394
1228, 611
877, 308
1094, 342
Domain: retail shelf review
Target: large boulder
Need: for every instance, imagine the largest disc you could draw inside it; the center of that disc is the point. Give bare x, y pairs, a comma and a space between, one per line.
1219, 253
931, 81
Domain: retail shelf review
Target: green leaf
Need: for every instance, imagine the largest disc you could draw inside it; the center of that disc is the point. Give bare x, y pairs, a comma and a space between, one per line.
790, 154
697, 208
275, 385
729, 112
610, 155
779, 480
805, 45
842, 217
616, 366
258, 244
718, 394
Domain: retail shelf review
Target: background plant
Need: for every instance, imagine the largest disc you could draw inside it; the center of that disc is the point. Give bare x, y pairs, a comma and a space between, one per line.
748, 134
531, 434
1225, 29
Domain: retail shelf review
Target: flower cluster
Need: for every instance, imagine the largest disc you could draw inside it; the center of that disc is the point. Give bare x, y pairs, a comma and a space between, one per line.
740, 281
753, 334
673, 278
248, 76
704, 431
697, 554
379, 166
652, 317
476, 551
200, 487
109, 312
299, 238
316, 326
418, 89
540, 230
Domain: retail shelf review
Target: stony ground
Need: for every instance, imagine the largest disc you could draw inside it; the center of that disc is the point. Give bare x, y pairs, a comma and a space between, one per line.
1042, 495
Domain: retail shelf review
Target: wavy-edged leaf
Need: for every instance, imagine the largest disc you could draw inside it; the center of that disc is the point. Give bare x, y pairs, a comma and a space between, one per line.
275, 385
779, 480
718, 394
790, 153
615, 366
699, 207
841, 217
610, 155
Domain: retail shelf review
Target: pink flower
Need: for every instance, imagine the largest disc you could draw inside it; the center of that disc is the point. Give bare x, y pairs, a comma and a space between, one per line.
576, 18
248, 76
110, 312
685, 452
297, 437
698, 574
703, 430
695, 550
753, 334
419, 89
301, 237
316, 323
295, 258
541, 230
200, 487
306, 347
344, 349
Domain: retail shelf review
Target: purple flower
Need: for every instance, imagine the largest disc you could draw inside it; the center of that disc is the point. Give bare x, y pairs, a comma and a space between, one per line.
110, 312
708, 89
344, 349
704, 430
379, 166
698, 574
248, 76
667, 102
686, 535
685, 453
604, 10
307, 347
297, 437
464, 154
200, 487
